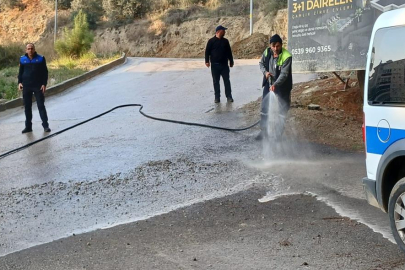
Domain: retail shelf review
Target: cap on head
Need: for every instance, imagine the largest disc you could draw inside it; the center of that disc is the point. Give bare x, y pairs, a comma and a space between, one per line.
220, 27
276, 38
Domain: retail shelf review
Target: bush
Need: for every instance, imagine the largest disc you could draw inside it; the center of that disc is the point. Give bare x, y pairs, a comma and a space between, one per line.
92, 8
10, 55
122, 11
106, 47
239, 8
272, 6
8, 82
183, 10
9, 59
77, 41
162, 5
175, 16
5, 4
62, 4
178, 16
8, 90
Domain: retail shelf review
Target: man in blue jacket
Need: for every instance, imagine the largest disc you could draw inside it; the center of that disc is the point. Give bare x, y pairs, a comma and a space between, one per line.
32, 80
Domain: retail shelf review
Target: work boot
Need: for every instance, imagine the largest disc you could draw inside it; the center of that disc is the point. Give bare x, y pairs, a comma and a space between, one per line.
263, 135
230, 99
259, 136
217, 100
47, 129
26, 130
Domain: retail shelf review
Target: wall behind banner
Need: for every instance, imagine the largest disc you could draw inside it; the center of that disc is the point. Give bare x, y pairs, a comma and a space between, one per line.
332, 35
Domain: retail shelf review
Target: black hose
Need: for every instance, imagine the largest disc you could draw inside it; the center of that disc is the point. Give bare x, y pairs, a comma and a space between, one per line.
122, 106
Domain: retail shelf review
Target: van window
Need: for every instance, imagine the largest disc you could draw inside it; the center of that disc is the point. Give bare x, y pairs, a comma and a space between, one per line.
386, 83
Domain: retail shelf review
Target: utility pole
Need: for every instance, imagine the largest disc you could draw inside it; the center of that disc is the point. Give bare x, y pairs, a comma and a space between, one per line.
251, 17
56, 21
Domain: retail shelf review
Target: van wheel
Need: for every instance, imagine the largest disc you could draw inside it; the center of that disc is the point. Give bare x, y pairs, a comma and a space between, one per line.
396, 211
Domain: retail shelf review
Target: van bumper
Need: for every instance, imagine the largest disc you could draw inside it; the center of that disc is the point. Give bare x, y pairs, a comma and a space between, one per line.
369, 187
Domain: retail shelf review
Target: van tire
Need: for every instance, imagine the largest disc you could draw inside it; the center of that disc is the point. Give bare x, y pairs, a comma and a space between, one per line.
397, 191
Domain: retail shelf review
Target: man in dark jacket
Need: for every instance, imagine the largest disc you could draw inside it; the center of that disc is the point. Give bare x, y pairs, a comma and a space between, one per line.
32, 80
275, 65
218, 52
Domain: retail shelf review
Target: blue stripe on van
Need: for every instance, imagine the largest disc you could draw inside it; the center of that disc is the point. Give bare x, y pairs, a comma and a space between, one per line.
375, 146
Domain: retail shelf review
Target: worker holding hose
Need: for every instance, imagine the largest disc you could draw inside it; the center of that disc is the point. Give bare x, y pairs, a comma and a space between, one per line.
275, 65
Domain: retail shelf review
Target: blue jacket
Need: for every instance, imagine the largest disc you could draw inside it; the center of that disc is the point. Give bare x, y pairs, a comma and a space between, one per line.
33, 73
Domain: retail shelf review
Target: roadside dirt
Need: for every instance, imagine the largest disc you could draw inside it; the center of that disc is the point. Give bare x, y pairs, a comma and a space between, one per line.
18, 25
339, 119
250, 48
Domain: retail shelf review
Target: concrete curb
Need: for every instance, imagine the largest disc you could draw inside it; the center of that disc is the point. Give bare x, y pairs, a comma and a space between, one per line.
56, 89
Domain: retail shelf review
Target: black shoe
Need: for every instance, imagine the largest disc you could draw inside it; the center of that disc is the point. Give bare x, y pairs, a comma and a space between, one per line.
263, 135
47, 129
230, 99
217, 100
26, 130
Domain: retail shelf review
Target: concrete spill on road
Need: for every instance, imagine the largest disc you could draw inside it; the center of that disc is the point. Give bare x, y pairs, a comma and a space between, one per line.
51, 211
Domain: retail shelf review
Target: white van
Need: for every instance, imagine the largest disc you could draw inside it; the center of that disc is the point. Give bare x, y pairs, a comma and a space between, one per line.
384, 120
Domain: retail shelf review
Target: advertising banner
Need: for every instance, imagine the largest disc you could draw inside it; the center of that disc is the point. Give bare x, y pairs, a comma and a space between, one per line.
330, 35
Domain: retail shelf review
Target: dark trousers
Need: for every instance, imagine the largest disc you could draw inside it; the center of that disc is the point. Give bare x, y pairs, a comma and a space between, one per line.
218, 70
28, 92
283, 107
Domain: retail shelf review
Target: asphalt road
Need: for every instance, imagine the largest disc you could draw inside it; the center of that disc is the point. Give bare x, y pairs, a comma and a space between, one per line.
234, 232
124, 168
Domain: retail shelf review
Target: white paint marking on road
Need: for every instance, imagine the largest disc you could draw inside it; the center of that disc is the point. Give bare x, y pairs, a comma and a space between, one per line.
353, 215
273, 197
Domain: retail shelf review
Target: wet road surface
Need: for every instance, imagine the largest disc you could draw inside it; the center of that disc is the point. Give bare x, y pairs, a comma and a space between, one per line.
124, 167
171, 88
233, 232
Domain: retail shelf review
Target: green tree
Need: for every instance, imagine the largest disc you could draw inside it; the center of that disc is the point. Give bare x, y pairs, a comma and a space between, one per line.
121, 11
77, 41
62, 4
92, 8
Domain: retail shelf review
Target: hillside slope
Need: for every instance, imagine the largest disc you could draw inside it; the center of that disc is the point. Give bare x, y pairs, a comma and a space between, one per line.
147, 37
27, 25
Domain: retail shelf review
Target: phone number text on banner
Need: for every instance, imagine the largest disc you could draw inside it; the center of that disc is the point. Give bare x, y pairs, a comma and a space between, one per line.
329, 35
